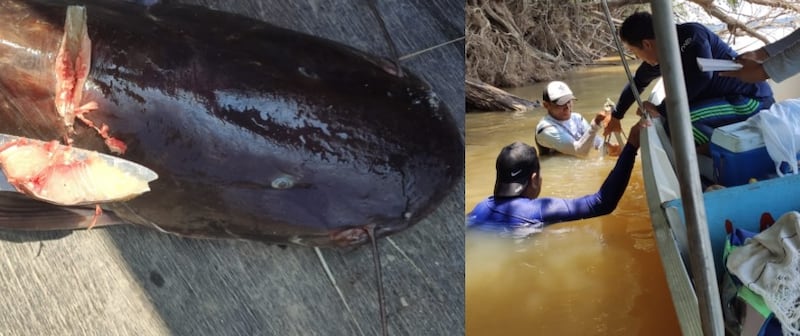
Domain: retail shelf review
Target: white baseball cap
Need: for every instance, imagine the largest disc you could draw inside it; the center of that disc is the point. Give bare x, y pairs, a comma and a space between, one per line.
557, 92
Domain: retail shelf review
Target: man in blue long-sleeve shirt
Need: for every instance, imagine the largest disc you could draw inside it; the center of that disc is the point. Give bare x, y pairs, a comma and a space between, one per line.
714, 101
515, 208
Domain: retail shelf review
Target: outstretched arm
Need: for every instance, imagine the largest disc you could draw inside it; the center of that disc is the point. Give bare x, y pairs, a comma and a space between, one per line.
601, 203
784, 43
779, 61
645, 74
784, 64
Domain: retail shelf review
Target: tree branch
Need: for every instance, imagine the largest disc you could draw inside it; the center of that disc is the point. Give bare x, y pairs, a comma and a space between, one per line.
777, 4
621, 3
733, 24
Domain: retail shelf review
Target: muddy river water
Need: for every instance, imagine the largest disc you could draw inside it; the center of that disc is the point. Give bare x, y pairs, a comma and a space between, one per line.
599, 276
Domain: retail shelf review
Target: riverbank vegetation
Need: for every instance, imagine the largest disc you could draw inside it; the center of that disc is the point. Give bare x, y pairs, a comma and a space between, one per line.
518, 42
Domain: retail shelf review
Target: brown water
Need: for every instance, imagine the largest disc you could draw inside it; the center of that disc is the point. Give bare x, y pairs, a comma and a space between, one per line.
599, 276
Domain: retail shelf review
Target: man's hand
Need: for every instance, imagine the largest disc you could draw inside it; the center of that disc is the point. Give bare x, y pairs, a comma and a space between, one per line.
612, 126
651, 109
599, 119
633, 136
751, 71
758, 55
613, 149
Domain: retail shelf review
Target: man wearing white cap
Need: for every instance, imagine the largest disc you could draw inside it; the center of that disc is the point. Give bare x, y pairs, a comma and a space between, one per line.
562, 130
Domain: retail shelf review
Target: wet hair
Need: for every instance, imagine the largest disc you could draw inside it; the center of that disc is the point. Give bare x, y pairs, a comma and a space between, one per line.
637, 27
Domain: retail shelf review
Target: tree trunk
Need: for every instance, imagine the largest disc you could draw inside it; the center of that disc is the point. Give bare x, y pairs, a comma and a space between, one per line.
484, 97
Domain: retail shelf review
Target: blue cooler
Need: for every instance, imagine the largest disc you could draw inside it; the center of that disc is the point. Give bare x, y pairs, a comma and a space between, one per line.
739, 154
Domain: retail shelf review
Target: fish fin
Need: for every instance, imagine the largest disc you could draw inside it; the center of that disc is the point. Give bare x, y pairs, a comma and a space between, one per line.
20, 212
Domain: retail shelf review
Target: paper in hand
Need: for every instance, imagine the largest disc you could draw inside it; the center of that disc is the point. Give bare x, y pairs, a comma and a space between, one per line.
710, 64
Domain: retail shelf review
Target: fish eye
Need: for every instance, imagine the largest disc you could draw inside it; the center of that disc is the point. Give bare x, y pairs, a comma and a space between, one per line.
283, 182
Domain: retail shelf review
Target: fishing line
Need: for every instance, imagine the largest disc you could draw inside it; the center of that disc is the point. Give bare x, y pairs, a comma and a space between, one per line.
624, 62
417, 53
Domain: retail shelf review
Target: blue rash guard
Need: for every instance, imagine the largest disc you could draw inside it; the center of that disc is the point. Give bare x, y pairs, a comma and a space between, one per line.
713, 100
521, 216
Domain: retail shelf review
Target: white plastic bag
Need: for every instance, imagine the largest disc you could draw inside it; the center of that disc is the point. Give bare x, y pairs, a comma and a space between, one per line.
780, 127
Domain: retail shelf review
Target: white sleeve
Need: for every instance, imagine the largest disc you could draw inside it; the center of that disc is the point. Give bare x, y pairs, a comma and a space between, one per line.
587, 141
784, 64
787, 41
551, 136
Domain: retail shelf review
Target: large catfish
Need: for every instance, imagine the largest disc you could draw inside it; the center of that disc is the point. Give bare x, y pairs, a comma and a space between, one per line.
255, 132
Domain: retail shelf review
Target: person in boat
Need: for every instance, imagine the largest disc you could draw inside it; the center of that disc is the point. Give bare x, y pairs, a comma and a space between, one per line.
778, 60
563, 130
714, 101
515, 208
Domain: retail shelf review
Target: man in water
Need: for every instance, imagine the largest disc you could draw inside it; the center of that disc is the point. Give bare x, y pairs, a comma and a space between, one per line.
516, 209
562, 130
714, 101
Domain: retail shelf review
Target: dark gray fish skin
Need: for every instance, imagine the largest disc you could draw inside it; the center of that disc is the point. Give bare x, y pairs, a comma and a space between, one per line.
256, 132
